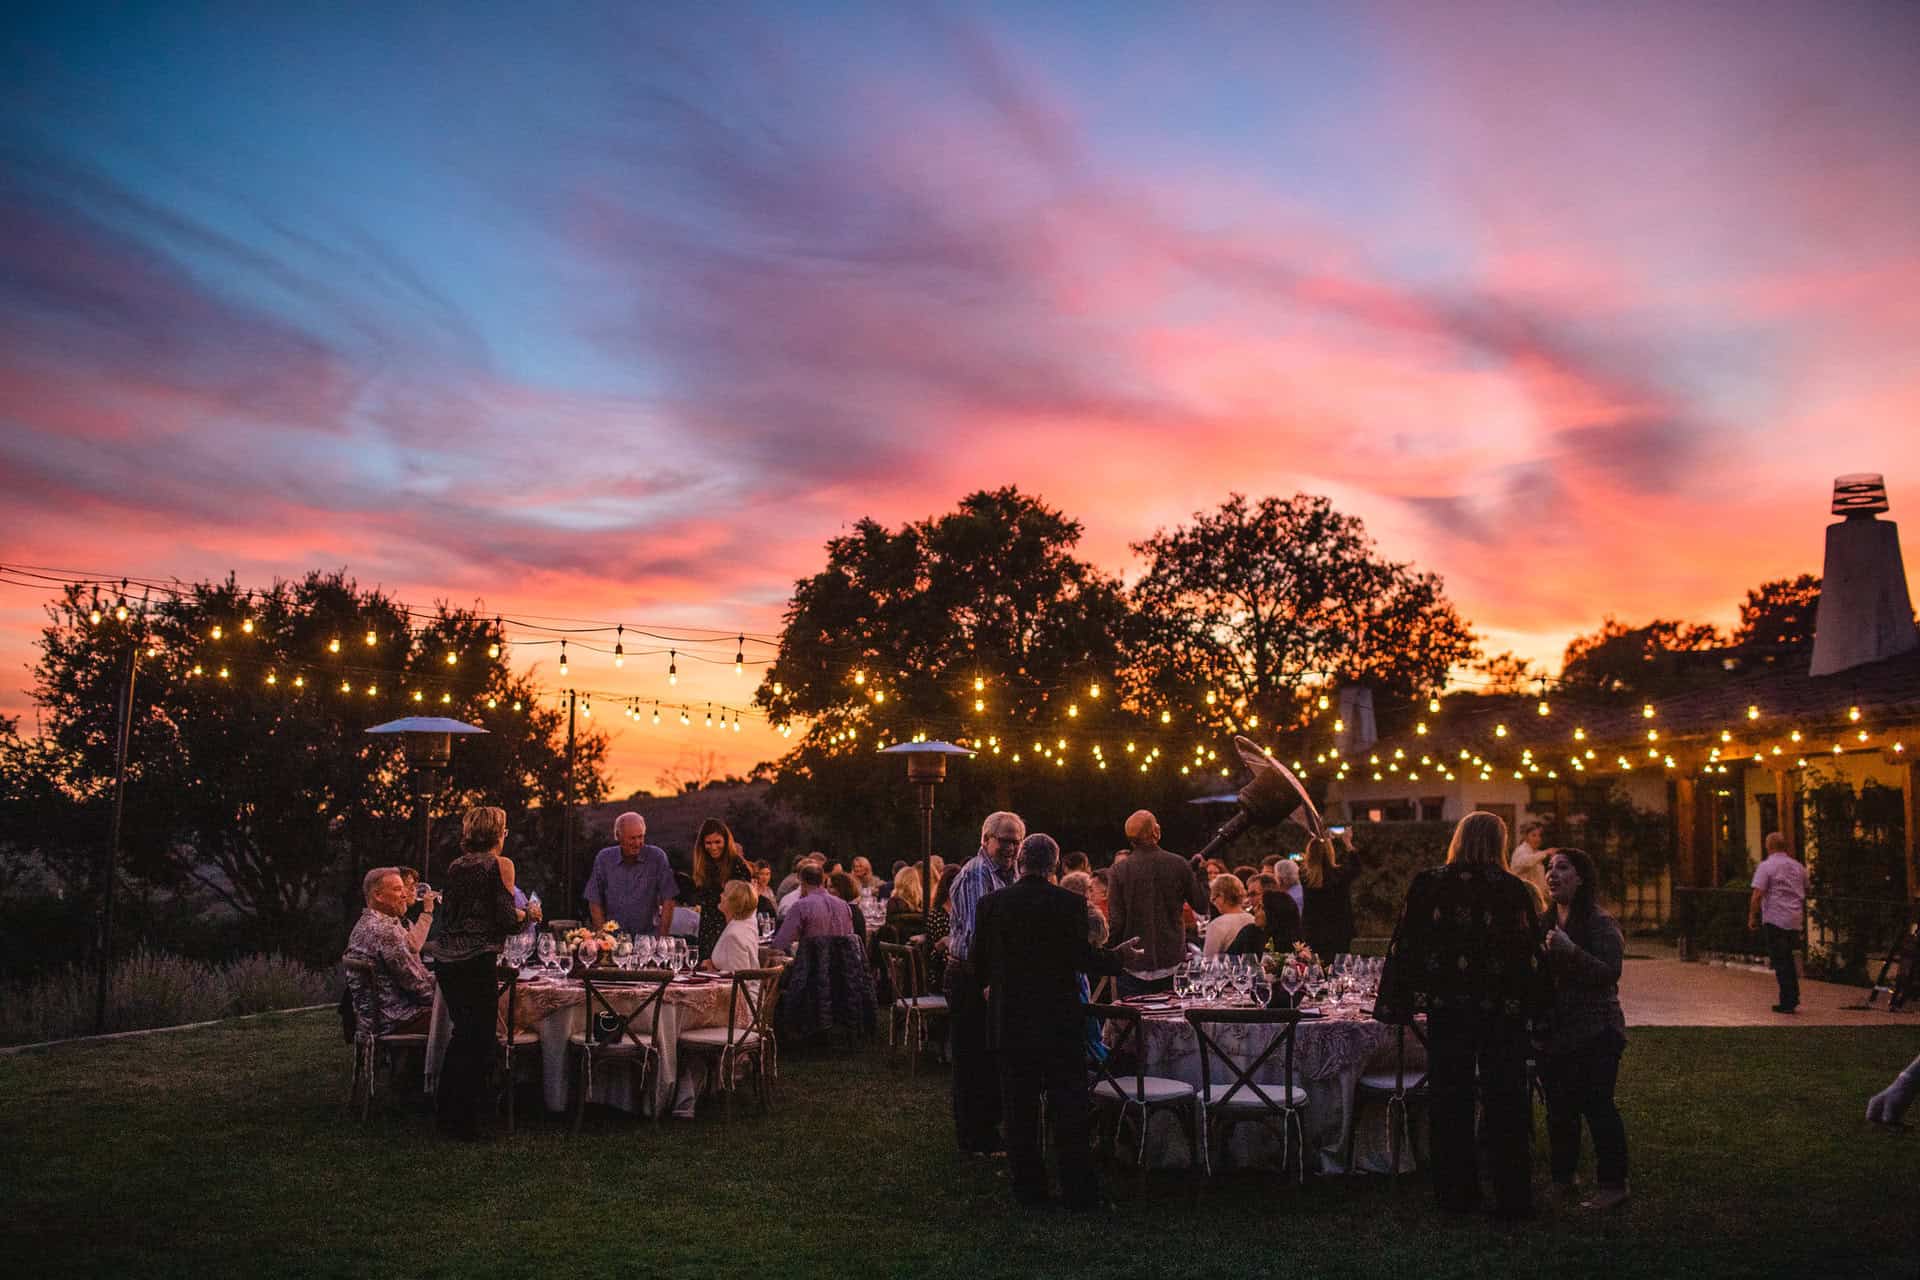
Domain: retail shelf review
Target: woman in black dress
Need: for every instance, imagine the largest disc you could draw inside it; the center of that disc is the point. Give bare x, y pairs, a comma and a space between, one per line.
476, 915
716, 860
1326, 910
1580, 1054
1466, 954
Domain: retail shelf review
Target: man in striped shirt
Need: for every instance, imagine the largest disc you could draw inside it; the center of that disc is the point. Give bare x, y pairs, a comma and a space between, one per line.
976, 1076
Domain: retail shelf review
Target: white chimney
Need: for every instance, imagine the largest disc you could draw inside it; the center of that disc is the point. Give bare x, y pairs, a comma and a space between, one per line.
1865, 613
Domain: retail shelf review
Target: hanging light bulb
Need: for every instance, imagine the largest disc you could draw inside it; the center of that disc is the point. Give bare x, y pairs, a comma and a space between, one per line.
272, 678
333, 645
516, 704
656, 713
979, 685
1166, 717
979, 704
683, 716
1433, 705
216, 628
1646, 711
1210, 698
1073, 710
563, 657
453, 659
1093, 690
373, 637
673, 667
1853, 713
1543, 708
246, 625
94, 615
586, 708
446, 698
1499, 731
736, 722
619, 649
120, 611
1753, 713
709, 715
740, 656
493, 649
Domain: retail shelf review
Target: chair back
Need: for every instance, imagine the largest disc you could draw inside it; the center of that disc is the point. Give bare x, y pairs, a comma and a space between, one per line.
1285, 1023
506, 989
827, 986
758, 992
561, 928
653, 984
1102, 991
1127, 1045
906, 971
362, 994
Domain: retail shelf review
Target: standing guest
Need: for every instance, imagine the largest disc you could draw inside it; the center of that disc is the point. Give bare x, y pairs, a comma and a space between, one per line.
1029, 949
1215, 869
1580, 1057
479, 914
1146, 894
1778, 910
1465, 954
738, 946
816, 913
1230, 915
401, 1000
976, 1076
1245, 872
1326, 903
1268, 863
1075, 862
422, 923
765, 905
632, 881
716, 864
1530, 859
1287, 872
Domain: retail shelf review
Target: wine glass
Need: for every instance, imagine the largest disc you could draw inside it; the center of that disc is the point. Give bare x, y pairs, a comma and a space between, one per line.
547, 947
1259, 988
1292, 975
1242, 980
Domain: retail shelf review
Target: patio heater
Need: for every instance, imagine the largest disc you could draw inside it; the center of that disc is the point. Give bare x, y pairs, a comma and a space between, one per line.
429, 746
926, 769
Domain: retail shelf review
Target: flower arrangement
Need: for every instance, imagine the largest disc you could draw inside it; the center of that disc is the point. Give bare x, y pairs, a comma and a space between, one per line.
589, 944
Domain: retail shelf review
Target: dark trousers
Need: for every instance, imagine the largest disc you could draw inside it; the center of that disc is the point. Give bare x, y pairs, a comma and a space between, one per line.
1579, 1086
1127, 985
1459, 1045
1024, 1078
976, 1074
1781, 944
460, 1099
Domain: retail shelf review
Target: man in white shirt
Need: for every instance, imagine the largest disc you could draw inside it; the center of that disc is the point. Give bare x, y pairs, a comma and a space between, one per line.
1778, 910
1529, 860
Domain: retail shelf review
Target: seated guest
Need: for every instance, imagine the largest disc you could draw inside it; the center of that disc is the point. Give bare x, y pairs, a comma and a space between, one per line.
1252, 940
1215, 869
905, 899
939, 925
864, 881
789, 896
843, 887
402, 995
739, 944
1268, 863
1078, 882
1230, 914
422, 923
816, 913
1287, 873
1097, 891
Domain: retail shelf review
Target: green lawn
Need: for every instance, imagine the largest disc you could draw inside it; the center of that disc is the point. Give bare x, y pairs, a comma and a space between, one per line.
223, 1152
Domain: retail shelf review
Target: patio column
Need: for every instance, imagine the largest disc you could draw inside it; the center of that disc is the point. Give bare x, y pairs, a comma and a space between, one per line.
1686, 830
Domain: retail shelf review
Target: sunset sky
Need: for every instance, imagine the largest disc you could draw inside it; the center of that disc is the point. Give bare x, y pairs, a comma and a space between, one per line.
622, 313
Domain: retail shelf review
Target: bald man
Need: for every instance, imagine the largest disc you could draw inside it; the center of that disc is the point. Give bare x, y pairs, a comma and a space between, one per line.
1145, 892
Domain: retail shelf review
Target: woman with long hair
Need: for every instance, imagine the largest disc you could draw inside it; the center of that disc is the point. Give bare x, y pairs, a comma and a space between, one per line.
940, 924
476, 916
1465, 954
716, 861
1326, 898
1580, 1054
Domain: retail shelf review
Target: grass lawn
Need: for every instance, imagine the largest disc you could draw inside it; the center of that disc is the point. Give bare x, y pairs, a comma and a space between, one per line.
223, 1152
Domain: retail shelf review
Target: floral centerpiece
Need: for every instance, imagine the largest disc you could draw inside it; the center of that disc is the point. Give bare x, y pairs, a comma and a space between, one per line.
1300, 954
591, 946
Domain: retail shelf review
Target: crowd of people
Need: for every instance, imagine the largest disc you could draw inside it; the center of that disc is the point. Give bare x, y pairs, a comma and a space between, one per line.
1507, 958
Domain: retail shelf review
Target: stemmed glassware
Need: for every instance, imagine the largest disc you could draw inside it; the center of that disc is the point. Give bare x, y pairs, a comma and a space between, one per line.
1292, 976
547, 947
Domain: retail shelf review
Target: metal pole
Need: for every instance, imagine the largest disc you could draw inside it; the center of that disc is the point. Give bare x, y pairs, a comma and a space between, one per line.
423, 792
926, 848
566, 842
123, 733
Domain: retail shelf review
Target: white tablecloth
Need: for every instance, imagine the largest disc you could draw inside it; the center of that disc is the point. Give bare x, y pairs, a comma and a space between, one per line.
1330, 1055
556, 1010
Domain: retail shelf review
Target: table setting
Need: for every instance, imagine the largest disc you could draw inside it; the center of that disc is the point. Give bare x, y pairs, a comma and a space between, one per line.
550, 1002
1337, 1040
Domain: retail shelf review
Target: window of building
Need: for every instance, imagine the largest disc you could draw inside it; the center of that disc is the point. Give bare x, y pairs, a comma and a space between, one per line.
1433, 808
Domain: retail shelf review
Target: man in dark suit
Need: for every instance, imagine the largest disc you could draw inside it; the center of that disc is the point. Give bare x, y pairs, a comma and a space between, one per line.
1029, 946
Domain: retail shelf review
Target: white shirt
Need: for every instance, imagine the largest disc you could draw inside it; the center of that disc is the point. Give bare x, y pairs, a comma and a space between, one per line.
738, 948
787, 901
1222, 930
1782, 882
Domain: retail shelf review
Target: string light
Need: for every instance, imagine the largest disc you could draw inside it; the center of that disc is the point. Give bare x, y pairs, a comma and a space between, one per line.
1753, 713
333, 645
673, 667
740, 657
373, 637
453, 659
1647, 711
563, 657
619, 649
1433, 705
120, 611
1544, 709
216, 630
1093, 690
246, 625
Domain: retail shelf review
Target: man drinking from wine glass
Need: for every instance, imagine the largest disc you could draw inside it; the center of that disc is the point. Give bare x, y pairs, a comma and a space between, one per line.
402, 996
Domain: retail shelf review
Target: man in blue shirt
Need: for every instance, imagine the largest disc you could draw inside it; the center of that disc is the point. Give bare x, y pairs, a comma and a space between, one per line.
976, 1074
632, 881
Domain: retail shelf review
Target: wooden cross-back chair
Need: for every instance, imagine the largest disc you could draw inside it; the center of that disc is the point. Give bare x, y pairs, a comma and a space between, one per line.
1138, 1095
913, 1007
1246, 1100
1397, 1087
639, 1049
743, 1048
370, 1040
